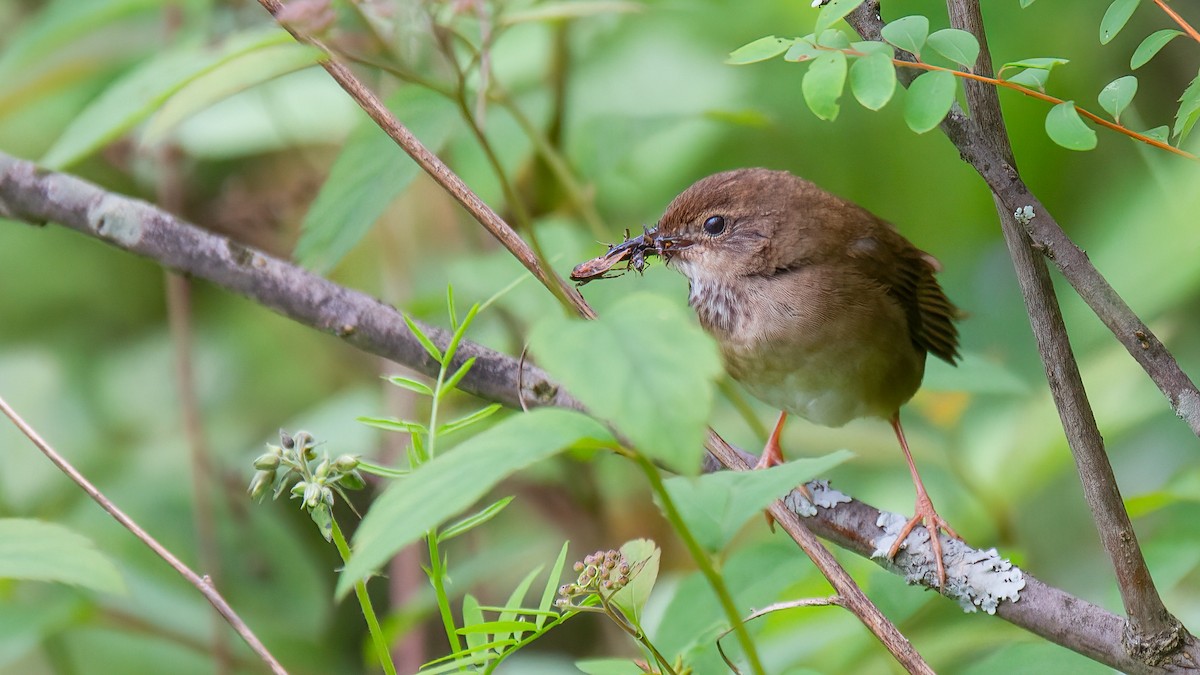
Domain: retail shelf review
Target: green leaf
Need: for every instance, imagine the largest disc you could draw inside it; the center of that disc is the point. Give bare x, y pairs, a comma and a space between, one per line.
1065, 127
452, 381
974, 374
608, 667
456, 338
394, 424
468, 420
1026, 3
1031, 77
430, 348
452, 481
225, 80
551, 590
833, 12
833, 38
564, 11
472, 618
368, 174
645, 366
39, 551
1115, 19
1040, 63
474, 520
1189, 109
1160, 134
868, 47
823, 84
1117, 95
929, 99
643, 556
1151, 46
957, 45
512, 608
135, 96
410, 384
716, 505
760, 50
907, 33
803, 49
873, 80
488, 627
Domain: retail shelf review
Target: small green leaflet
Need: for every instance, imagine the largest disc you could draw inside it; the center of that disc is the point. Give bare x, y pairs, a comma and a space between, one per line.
873, 80
833, 12
1065, 127
760, 50
907, 33
1189, 109
1115, 19
1117, 95
823, 84
957, 45
1151, 46
929, 99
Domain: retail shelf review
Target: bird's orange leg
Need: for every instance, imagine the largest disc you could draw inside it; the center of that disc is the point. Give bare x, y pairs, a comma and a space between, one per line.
772, 454
924, 512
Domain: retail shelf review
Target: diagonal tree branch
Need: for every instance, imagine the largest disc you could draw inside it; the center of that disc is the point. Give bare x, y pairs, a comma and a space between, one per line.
34, 196
1153, 635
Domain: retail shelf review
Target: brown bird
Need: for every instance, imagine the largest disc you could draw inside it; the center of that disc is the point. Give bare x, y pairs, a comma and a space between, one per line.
820, 308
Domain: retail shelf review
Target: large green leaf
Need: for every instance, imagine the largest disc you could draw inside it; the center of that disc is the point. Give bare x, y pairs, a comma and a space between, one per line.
131, 99
929, 99
823, 84
40, 551
716, 505
369, 173
453, 481
645, 367
643, 558
1065, 127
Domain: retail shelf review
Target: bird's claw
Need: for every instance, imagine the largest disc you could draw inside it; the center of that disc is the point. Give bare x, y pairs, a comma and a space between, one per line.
929, 518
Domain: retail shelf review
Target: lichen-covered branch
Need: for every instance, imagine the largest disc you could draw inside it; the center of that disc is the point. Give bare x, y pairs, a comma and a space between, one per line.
1153, 634
34, 196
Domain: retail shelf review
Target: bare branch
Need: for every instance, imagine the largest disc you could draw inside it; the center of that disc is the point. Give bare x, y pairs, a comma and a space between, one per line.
202, 584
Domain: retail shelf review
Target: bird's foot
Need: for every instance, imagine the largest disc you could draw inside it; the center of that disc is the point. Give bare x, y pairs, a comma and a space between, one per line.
928, 517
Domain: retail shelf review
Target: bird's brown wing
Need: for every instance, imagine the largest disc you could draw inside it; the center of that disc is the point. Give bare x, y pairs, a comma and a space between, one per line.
907, 273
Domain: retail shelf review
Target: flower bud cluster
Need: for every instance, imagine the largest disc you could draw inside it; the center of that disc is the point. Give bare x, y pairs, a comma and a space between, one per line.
296, 458
603, 572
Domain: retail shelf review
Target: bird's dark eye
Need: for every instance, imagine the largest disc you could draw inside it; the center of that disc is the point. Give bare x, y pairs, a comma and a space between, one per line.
714, 225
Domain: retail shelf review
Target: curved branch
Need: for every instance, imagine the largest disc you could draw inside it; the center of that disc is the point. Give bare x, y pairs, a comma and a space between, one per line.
34, 196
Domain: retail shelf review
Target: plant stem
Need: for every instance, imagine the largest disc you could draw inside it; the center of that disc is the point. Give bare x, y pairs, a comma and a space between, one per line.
703, 562
364, 601
437, 576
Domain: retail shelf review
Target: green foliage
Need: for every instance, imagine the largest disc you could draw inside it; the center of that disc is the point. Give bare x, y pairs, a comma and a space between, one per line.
1116, 96
1115, 18
33, 550
760, 50
645, 367
873, 80
1189, 110
908, 33
929, 99
1151, 46
715, 506
823, 84
1065, 127
834, 11
957, 45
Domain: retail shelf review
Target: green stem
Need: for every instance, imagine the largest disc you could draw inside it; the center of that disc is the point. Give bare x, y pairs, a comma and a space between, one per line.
635, 631
364, 601
437, 576
703, 562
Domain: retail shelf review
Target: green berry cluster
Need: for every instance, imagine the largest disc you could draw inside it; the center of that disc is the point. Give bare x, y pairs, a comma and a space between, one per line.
317, 477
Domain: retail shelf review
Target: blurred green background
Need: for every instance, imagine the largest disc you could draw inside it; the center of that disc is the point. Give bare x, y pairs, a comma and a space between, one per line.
649, 107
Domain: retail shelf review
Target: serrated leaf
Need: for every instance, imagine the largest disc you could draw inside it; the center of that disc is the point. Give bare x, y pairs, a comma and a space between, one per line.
410, 384
823, 84
928, 100
1031, 77
1151, 46
551, 589
1189, 110
642, 357
132, 98
907, 33
833, 12
957, 45
34, 550
468, 420
643, 557
1117, 95
1160, 134
430, 348
394, 424
474, 520
228, 78
873, 80
368, 174
803, 49
452, 481
715, 506
760, 50
1115, 18
1066, 128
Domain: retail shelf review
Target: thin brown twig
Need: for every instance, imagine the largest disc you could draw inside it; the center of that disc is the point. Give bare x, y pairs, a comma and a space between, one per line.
437, 169
202, 584
1187, 27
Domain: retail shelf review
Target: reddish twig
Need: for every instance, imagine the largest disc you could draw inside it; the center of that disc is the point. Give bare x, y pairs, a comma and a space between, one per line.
1187, 27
